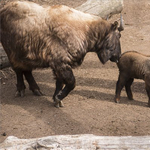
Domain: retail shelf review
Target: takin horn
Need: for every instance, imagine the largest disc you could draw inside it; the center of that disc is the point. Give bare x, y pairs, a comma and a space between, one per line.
121, 28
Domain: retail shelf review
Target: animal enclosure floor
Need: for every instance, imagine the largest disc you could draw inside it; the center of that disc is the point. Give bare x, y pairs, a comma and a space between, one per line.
90, 107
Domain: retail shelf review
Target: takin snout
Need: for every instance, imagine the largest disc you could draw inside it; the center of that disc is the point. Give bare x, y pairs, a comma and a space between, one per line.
132, 65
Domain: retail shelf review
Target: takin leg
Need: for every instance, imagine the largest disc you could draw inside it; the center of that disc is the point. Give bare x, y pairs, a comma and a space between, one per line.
148, 93
119, 86
128, 88
32, 83
20, 83
59, 86
68, 79
147, 86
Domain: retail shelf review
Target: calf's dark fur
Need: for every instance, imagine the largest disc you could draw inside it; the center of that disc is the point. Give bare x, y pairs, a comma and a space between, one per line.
133, 65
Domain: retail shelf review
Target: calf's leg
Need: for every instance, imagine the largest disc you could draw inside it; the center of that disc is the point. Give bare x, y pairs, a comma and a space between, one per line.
122, 79
147, 87
32, 83
128, 88
20, 83
148, 93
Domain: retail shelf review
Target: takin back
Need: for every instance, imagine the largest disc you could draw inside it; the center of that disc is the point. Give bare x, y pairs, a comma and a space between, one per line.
132, 65
57, 37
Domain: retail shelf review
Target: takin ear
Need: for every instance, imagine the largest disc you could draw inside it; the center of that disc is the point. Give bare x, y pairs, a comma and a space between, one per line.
114, 26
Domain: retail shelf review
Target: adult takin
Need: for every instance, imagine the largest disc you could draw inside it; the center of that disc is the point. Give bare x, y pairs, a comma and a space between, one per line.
133, 65
59, 37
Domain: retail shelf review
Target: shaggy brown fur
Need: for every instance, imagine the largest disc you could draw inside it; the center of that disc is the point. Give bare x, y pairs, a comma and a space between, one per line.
57, 36
133, 65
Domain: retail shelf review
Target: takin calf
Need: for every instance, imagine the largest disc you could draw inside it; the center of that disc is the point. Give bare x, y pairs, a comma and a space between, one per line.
132, 65
54, 36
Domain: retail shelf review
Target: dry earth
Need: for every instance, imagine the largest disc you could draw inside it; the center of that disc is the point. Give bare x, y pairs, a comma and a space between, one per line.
90, 108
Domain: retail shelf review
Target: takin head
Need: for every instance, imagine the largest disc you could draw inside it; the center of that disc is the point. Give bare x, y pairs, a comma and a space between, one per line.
110, 48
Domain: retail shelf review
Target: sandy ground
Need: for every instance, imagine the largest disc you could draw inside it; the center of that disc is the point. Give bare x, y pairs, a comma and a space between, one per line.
90, 107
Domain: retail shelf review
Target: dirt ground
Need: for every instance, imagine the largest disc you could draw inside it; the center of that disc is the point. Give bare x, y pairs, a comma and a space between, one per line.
90, 107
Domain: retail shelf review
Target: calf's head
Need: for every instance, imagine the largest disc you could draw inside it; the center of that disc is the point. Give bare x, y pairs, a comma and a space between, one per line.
110, 48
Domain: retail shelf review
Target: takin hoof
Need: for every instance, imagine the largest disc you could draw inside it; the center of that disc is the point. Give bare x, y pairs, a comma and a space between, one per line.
58, 103
117, 100
37, 92
61, 104
130, 98
20, 93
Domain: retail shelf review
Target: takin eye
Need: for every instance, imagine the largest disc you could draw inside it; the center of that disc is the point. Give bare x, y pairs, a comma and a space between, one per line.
110, 46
